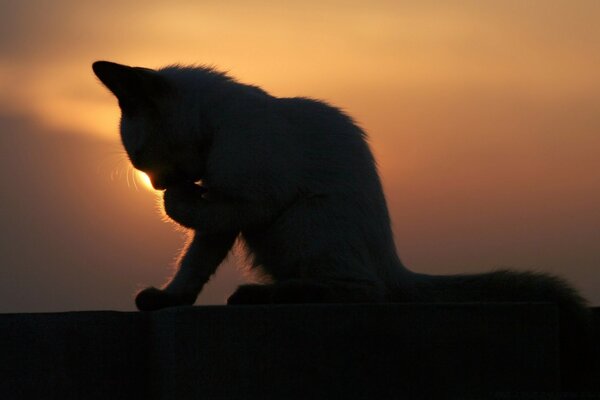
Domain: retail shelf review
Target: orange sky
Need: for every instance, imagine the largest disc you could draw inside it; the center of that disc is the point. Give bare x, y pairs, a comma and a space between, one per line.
484, 116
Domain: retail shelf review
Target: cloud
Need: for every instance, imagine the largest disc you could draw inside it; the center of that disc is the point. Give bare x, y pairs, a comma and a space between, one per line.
386, 49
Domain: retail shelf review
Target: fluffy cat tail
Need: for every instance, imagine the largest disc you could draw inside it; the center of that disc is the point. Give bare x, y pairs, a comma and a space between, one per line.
496, 286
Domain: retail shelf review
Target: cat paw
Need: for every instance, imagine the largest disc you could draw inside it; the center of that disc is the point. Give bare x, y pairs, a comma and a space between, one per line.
151, 299
181, 203
251, 294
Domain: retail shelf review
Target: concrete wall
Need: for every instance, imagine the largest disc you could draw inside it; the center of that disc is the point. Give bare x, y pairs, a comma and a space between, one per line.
283, 352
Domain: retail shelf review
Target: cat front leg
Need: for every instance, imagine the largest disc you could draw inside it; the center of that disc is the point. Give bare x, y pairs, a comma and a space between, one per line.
197, 263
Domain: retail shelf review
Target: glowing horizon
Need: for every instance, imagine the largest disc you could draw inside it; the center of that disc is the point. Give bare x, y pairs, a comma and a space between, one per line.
482, 116
144, 179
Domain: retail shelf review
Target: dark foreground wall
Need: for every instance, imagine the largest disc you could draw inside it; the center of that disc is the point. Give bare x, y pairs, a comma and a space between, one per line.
283, 352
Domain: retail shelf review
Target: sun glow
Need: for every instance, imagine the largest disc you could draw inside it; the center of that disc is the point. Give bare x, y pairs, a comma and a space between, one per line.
144, 179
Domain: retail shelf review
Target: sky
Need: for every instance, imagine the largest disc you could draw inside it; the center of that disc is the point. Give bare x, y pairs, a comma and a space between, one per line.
484, 117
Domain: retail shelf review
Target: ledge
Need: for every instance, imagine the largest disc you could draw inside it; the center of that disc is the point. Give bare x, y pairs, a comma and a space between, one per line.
262, 352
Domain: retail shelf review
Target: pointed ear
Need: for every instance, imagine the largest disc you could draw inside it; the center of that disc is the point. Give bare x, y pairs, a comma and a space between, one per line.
133, 86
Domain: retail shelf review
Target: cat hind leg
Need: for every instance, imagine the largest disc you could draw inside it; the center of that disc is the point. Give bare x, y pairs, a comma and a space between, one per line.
300, 291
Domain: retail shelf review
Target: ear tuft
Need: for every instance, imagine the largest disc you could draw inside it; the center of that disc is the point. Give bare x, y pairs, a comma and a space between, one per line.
116, 77
133, 86
102, 68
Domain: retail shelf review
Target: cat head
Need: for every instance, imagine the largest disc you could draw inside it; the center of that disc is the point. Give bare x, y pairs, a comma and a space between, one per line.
159, 135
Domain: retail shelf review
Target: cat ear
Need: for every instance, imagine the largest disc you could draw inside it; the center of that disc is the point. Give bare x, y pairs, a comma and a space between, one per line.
134, 87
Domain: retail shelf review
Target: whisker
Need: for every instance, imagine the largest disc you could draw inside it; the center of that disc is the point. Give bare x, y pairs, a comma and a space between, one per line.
121, 168
112, 163
127, 177
134, 178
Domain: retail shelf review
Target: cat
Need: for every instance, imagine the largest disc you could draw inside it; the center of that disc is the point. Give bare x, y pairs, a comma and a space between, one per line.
295, 180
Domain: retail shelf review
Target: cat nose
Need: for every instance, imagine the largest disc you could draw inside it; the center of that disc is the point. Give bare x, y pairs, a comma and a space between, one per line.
161, 182
158, 185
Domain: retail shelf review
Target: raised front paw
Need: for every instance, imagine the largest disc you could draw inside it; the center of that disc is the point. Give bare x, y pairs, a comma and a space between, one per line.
151, 299
182, 203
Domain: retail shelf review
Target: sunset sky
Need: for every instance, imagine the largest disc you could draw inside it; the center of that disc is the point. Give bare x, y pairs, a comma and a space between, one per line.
484, 117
